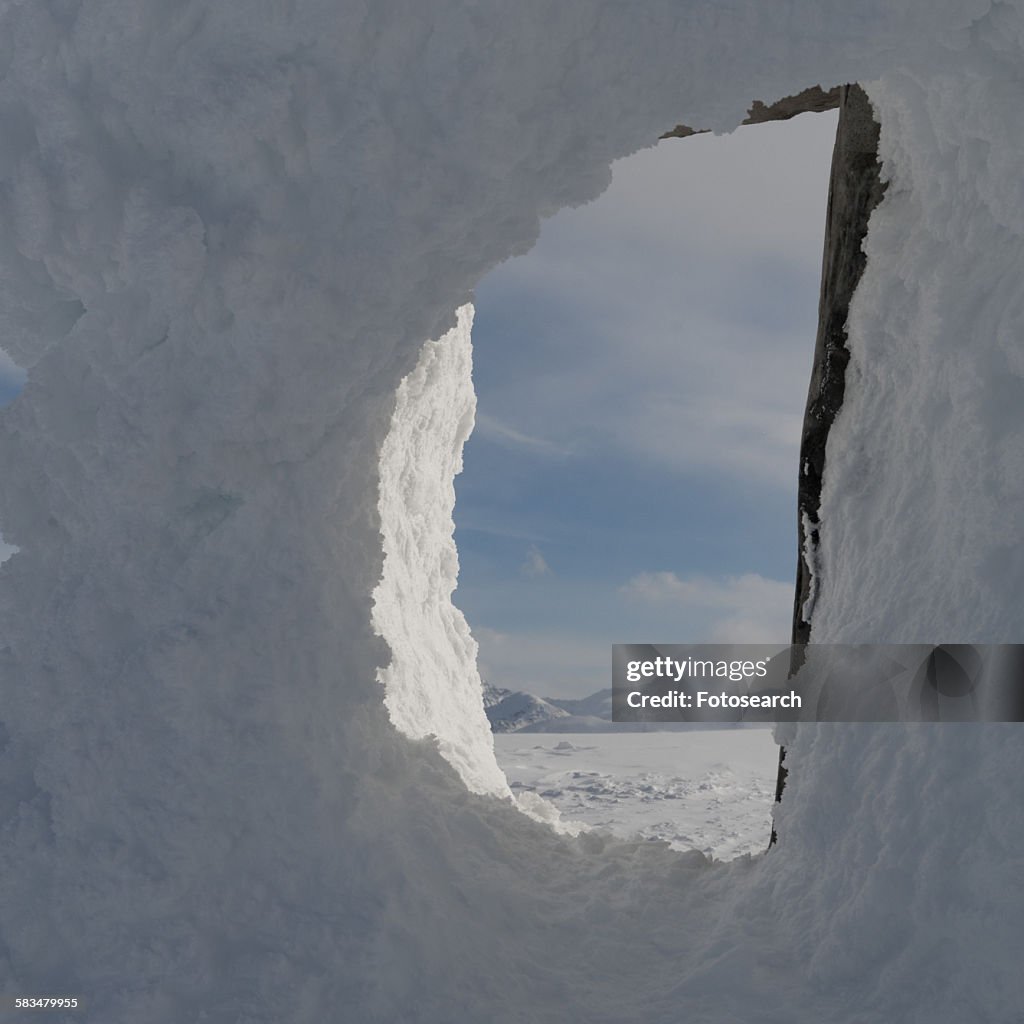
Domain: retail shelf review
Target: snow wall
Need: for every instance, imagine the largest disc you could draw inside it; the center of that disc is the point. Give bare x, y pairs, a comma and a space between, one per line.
226, 230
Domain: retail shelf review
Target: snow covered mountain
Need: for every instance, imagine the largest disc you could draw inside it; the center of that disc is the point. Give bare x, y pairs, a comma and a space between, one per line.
520, 711
516, 711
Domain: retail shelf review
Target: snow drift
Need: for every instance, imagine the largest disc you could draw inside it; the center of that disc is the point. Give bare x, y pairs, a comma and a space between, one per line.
226, 230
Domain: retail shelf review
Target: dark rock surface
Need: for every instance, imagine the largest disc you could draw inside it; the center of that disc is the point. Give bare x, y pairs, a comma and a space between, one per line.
855, 189
815, 99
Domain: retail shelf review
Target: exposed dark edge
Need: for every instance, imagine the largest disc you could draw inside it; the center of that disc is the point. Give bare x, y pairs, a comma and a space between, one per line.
815, 99
855, 189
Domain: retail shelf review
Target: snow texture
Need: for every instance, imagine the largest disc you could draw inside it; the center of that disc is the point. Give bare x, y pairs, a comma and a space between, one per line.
226, 230
432, 684
708, 790
810, 560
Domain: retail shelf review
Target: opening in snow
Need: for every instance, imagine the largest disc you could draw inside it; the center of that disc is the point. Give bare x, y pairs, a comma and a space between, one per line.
641, 378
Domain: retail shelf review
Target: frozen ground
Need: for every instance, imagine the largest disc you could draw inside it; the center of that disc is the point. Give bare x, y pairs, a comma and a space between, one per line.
709, 790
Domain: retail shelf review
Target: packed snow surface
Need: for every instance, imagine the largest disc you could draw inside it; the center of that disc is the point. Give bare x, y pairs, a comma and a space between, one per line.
706, 790
226, 231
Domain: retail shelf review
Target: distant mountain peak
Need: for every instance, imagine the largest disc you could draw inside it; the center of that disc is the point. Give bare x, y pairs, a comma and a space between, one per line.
519, 711
513, 710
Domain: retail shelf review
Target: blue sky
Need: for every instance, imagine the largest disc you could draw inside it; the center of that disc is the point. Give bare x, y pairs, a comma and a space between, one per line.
641, 377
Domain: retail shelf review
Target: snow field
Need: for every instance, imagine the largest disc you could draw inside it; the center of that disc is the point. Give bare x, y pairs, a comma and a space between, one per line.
710, 791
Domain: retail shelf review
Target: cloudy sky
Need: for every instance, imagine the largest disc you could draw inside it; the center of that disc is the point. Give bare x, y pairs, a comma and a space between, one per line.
641, 376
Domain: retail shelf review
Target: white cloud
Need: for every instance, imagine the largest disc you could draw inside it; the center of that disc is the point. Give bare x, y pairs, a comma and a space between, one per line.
535, 564
746, 609
495, 527
494, 430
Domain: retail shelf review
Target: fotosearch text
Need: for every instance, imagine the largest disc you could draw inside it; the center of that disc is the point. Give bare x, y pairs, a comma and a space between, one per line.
703, 699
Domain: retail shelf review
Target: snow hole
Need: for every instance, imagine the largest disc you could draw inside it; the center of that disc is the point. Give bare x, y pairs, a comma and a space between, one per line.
641, 376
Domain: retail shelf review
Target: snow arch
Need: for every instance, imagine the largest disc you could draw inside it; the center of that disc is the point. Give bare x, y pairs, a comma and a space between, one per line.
225, 231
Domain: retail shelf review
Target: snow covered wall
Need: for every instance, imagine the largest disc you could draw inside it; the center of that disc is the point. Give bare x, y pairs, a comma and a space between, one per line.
226, 230
432, 684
